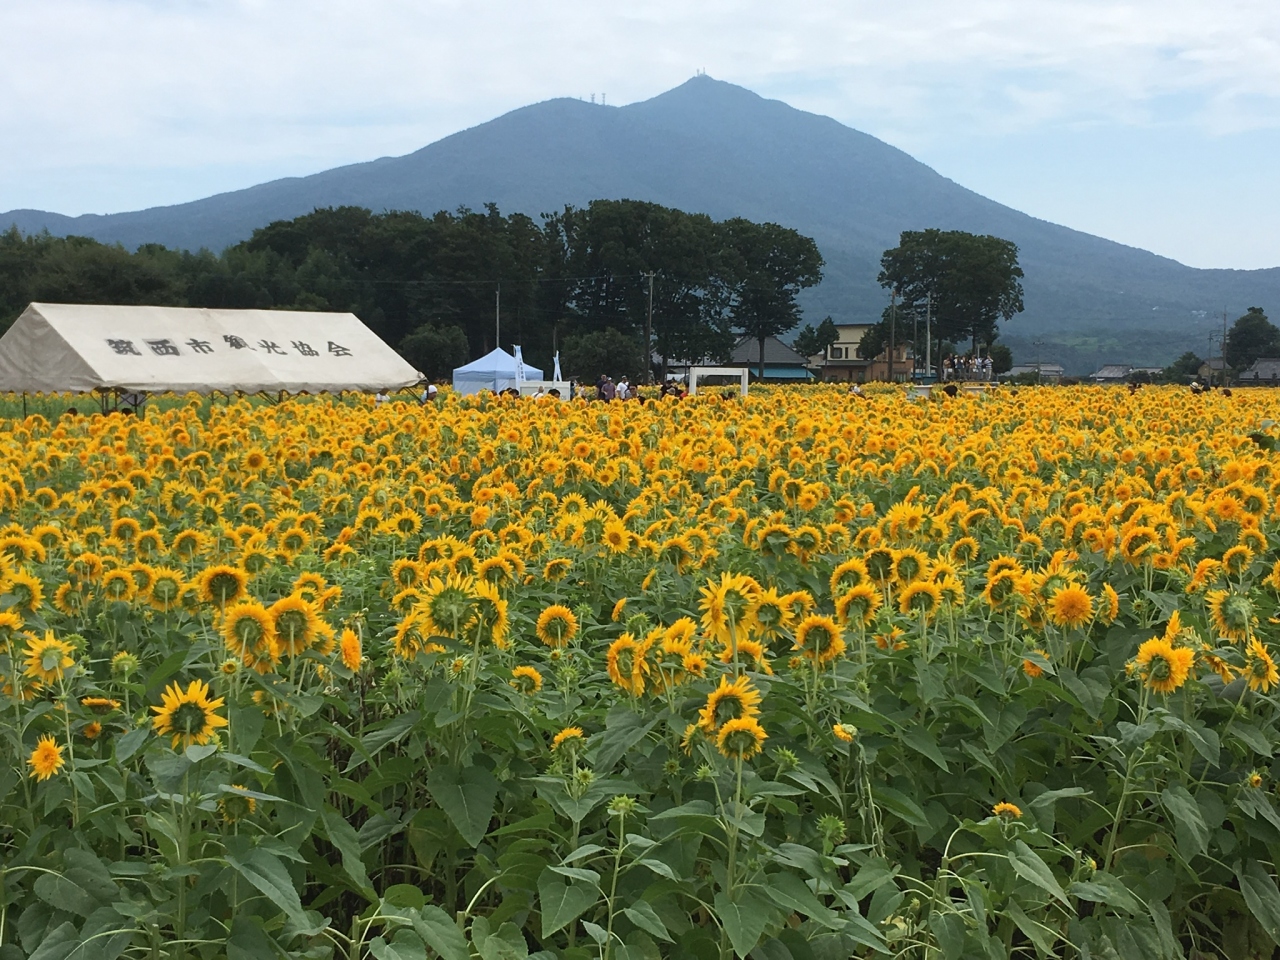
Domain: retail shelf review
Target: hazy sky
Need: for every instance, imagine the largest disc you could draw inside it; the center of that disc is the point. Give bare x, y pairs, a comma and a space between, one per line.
1151, 122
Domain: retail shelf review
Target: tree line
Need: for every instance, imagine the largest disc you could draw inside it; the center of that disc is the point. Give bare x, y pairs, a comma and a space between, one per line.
1252, 337
446, 288
949, 286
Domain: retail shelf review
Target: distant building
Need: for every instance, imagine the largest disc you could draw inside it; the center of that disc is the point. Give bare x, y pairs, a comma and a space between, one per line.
1263, 371
844, 362
1051, 372
1112, 373
780, 361
1212, 369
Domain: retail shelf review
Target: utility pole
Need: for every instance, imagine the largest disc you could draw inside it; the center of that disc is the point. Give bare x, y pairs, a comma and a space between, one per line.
928, 336
893, 322
915, 349
497, 318
1039, 371
648, 336
1224, 348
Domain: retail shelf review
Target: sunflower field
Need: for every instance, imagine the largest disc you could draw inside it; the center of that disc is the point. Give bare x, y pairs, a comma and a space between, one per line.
795, 677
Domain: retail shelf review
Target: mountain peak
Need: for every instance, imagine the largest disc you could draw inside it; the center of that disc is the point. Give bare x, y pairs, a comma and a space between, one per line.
713, 147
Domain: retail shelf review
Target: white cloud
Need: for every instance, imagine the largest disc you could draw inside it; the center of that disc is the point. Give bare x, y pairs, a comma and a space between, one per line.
246, 89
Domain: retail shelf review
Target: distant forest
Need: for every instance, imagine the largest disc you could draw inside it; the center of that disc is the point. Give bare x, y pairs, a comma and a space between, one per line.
579, 281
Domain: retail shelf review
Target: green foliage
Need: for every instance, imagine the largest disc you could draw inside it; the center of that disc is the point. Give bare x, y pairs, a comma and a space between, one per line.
1001, 358
769, 266
814, 340
1250, 338
585, 356
971, 281
435, 351
431, 285
1183, 370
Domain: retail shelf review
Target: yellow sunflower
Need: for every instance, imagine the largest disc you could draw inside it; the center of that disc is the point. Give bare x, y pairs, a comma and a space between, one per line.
729, 701
628, 664
1259, 667
167, 585
295, 624
47, 659
46, 759
1232, 613
556, 626
349, 650
1070, 606
491, 614
819, 638
526, 679
921, 598
249, 632
741, 738
570, 738
188, 716
221, 585
1162, 666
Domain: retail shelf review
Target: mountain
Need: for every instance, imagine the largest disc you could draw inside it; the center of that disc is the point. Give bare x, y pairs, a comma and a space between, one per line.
716, 148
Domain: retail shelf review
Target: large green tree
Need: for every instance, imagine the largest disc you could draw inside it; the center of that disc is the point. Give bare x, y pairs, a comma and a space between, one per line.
435, 351
615, 253
588, 355
1251, 337
770, 265
967, 283
812, 340
1184, 369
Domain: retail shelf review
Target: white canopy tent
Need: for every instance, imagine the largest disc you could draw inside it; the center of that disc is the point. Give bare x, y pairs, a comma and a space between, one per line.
56, 347
495, 371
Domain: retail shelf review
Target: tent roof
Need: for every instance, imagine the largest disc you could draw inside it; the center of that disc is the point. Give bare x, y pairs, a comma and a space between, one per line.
495, 363
57, 347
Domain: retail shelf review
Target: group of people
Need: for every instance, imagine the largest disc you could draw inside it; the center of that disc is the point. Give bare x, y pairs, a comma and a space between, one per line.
606, 389
967, 367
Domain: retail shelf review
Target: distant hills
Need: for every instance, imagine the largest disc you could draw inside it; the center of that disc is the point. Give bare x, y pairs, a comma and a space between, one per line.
716, 148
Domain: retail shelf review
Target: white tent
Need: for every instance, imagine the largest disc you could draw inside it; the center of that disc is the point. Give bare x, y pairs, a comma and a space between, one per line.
56, 347
494, 371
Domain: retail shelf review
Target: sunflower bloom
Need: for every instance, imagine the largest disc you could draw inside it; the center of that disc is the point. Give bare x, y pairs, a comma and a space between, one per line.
1070, 607
526, 679
819, 639
222, 585
627, 664
349, 650
573, 737
1232, 613
46, 759
47, 659
188, 716
921, 598
556, 626
249, 632
1259, 667
741, 738
729, 701
1162, 666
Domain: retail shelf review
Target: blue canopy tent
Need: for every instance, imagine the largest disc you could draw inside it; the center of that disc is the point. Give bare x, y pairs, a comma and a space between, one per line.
494, 371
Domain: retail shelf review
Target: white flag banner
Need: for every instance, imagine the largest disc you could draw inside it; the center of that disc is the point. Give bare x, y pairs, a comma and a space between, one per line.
519, 366
556, 376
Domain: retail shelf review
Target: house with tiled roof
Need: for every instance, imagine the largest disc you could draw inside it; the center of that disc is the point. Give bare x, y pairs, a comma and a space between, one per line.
1264, 370
780, 361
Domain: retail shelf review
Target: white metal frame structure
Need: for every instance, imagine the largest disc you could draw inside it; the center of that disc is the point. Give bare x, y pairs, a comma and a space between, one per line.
695, 372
